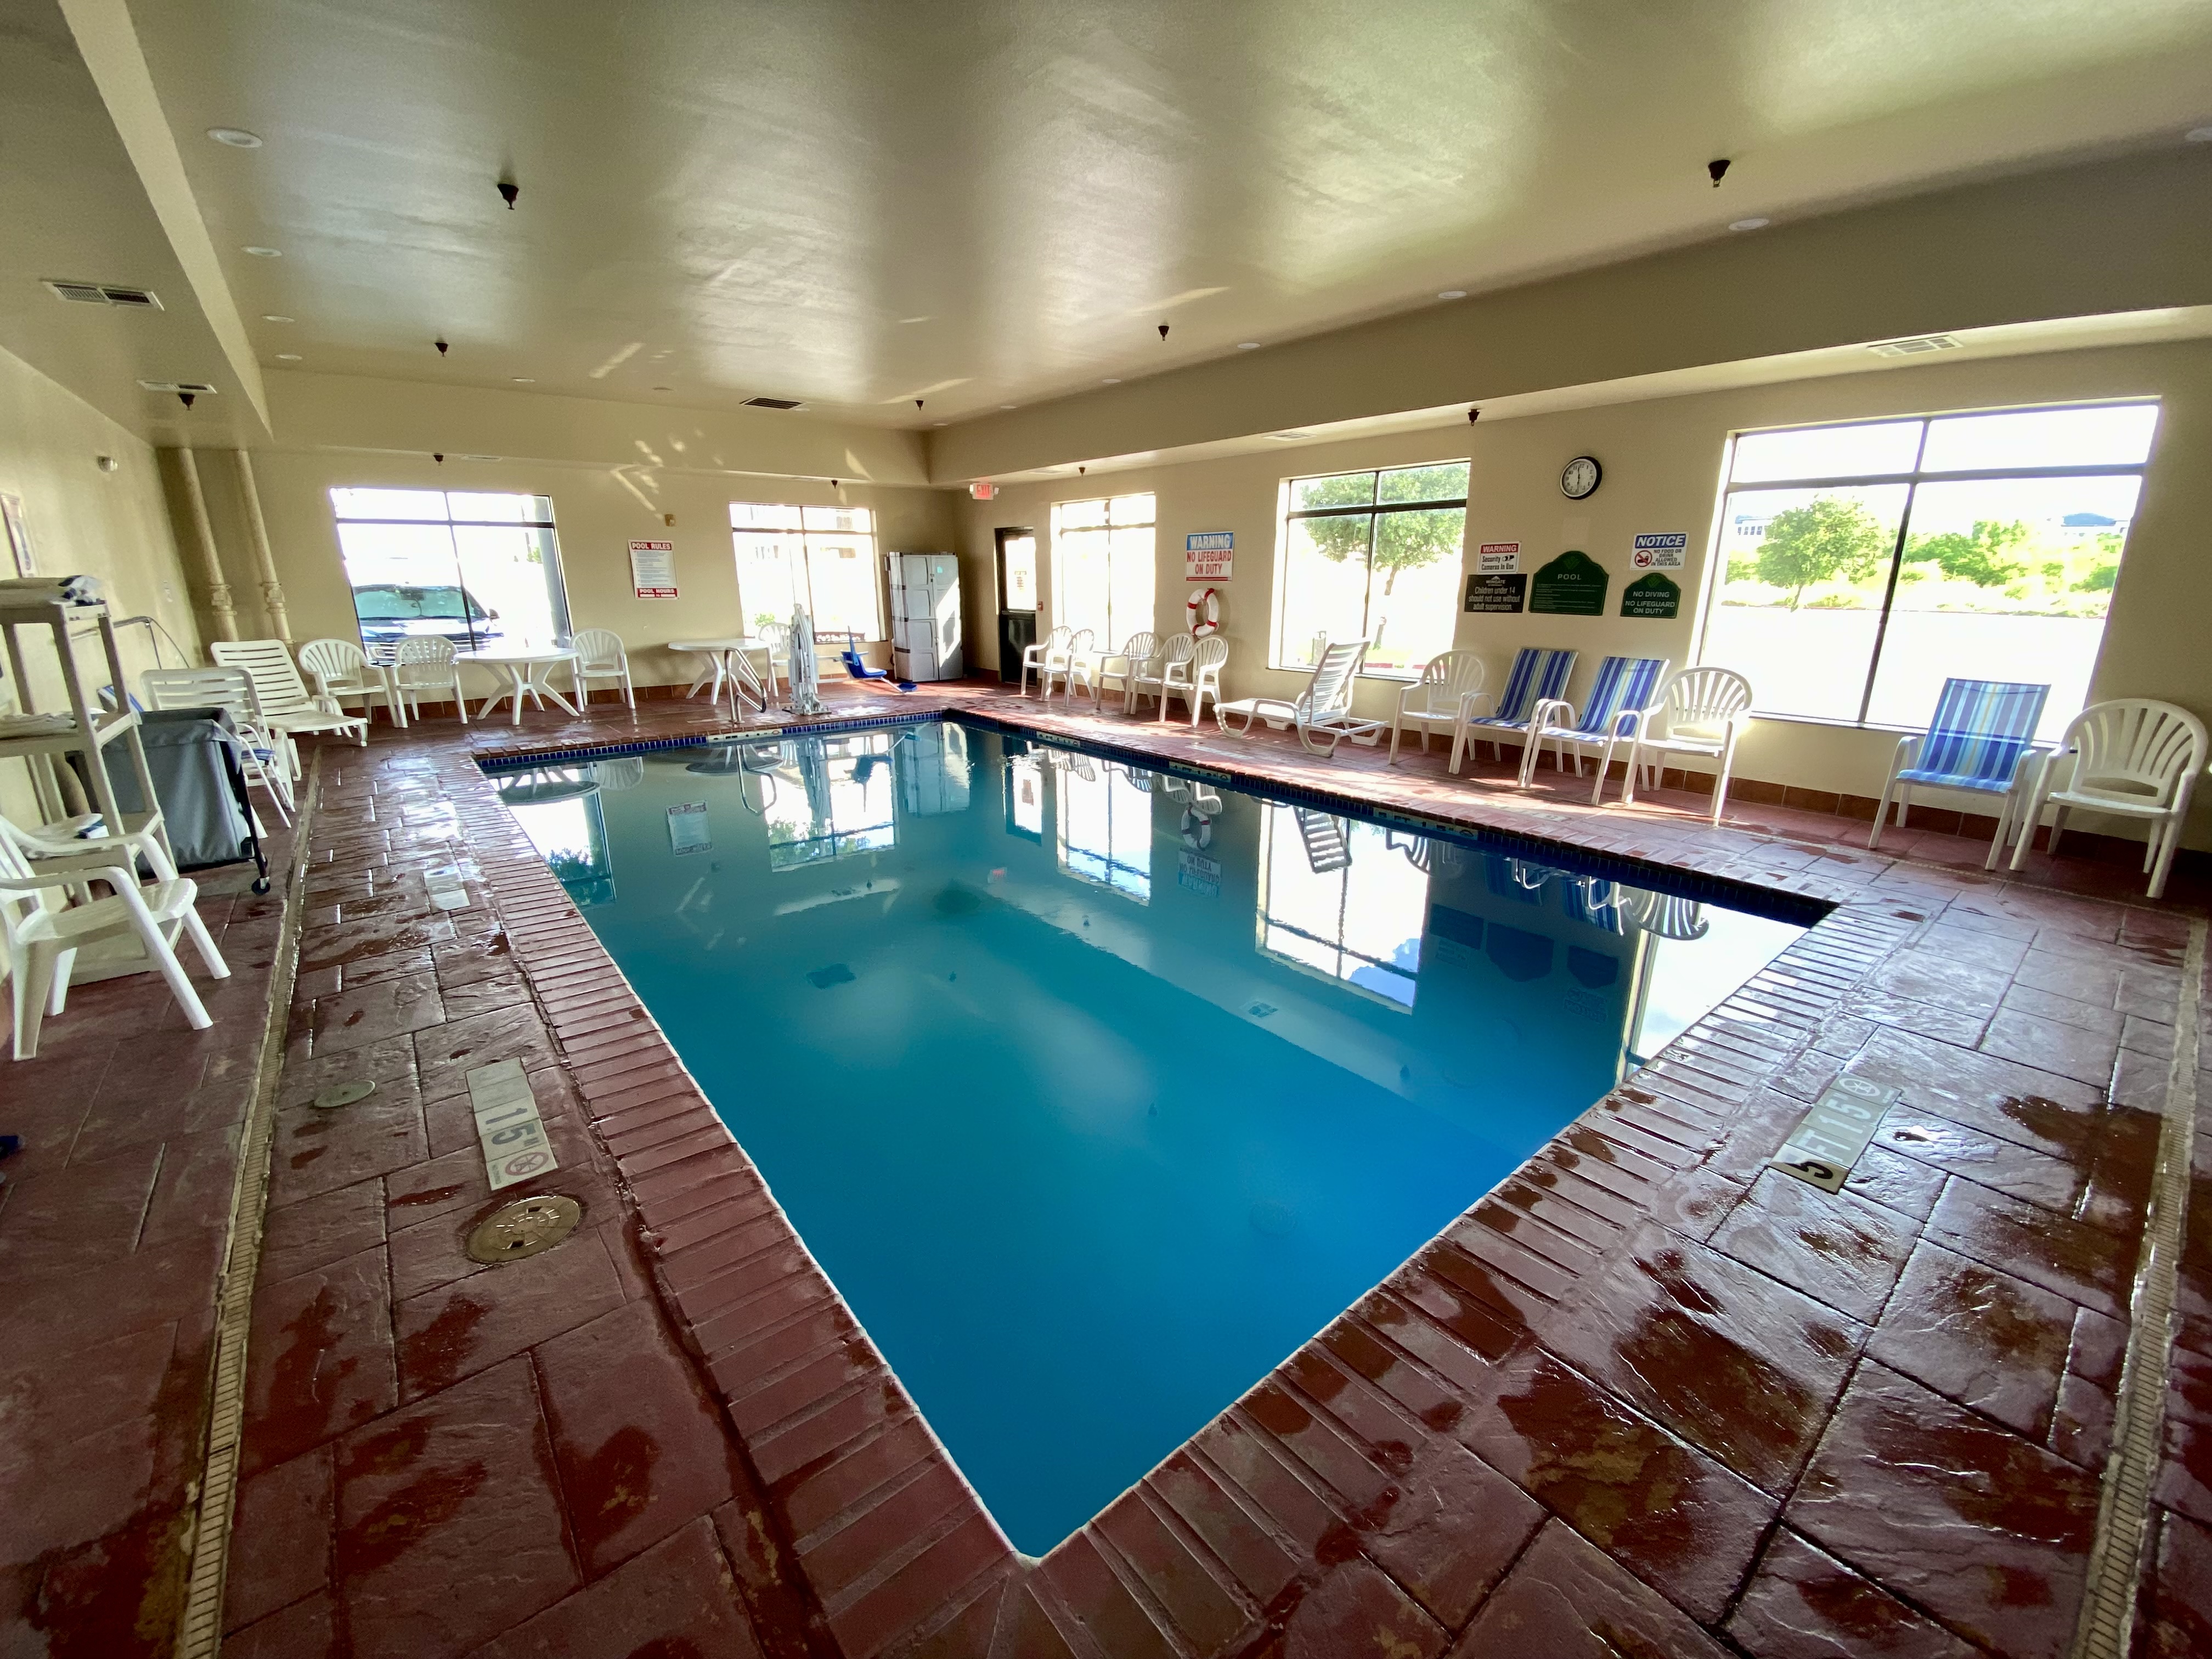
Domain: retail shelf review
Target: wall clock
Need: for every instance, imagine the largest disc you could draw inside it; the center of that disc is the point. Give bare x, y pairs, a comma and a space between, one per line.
1579, 477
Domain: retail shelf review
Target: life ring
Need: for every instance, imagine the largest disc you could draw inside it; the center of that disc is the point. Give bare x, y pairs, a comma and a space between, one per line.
1204, 608
1197, 828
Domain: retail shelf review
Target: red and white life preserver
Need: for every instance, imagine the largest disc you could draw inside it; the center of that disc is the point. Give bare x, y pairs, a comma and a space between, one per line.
1204, 608
1196, 827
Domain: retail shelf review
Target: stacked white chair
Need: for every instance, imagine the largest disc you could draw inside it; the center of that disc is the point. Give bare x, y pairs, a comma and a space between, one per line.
343, 674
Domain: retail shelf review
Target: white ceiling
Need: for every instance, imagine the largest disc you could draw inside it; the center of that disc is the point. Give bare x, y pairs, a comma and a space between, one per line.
984, 204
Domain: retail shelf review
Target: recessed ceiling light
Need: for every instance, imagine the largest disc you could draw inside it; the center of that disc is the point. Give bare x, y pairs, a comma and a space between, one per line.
661, 388
1289, 437
1009, 405
524, 379
1453, 294
938, 423
287, 356
264, 252
272, 317
1111, 380
2199, 135
1248, 345
914, 320
1749, 224
236, 138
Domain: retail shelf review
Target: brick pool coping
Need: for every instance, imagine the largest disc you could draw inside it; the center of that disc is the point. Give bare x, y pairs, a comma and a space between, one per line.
1640, 1389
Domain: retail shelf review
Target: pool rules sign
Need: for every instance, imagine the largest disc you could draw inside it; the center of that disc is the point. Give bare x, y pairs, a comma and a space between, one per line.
652, 569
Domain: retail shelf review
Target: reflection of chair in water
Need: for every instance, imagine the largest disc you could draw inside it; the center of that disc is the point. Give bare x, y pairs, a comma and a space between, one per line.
1417, 848
625, 773
1328, 839
1663, 914
542, 785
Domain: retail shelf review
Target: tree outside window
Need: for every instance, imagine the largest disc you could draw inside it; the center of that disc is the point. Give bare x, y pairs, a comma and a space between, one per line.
1373, 556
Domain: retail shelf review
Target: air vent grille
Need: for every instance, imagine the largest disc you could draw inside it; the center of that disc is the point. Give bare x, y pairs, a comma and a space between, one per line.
772, 403
1919, 346
197, 388
103, 294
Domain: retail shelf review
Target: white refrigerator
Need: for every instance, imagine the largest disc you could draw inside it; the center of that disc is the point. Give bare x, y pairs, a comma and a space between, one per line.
926, 642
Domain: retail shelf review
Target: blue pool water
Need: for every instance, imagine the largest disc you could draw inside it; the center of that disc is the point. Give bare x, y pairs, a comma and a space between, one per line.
1097, 1091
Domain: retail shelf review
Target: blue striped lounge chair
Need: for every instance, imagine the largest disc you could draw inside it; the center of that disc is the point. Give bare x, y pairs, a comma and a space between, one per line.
1538, 676
1618, 701
1982, 733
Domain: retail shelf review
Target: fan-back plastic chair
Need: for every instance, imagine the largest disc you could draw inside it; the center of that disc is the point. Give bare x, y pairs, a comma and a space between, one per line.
1445, 679
43, 944
287, 708
1070, 666
1538, 675
1037, 656
600, 656
264, 759
1624, 688
1980, 739
343, 673
1134, 657
427, 665
1699, 711
776, 637
1322, 714
1174, 654
1196, 678
2133, 757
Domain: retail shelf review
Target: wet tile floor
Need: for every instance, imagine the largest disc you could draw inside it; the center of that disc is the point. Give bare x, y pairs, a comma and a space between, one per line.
1644, 1398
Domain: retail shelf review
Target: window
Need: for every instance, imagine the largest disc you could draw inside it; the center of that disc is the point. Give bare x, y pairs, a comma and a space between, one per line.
1105, 827
476, 569
1103, 567
1339, 899
1374, 556
833, 800
822, 557
1862, 566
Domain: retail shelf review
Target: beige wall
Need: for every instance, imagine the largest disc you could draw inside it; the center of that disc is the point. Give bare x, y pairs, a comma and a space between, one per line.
1661, 462
114, 525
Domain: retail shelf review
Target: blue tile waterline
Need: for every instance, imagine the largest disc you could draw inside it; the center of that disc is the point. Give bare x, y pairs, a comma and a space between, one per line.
1097, 1089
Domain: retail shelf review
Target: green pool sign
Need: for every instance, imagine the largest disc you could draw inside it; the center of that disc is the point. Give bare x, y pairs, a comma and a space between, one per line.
1653, 597
1573, 585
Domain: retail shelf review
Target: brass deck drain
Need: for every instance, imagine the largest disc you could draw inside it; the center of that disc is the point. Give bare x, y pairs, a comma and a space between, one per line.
344, 1094
524, 1228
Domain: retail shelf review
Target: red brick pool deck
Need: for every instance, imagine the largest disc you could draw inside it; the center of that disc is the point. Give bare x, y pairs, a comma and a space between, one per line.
1643, 1399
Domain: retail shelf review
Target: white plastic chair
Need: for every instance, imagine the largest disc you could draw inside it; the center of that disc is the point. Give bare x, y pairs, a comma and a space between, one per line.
1072, 667
286, 707
426, 665
2133, 757
343, 673
1448, 677
267, 761
1195, 677
1322, 710
777, 637
1035, 656
1134, 657
1699, 711
1165, 668
600, 656
43, 944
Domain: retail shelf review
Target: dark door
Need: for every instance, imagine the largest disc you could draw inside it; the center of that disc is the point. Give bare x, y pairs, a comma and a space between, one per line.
1018, 598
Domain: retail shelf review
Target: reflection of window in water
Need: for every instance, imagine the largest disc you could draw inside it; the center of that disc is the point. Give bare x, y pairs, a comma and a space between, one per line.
837, 800
1025, 798
558, 809
1336, 897
1694, 956
1105, 828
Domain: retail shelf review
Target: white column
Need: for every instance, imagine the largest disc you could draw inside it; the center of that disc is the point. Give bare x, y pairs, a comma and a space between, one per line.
264, 560
220, 609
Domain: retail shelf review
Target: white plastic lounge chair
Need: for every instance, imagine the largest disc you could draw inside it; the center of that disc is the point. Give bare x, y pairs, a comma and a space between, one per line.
1053, 646
1195, 677
1699, 711
1175, 652
1624, 688
286, 707
600, 656
43, 944
1322, 714
1072, 667
426, 665
2132, 758
1982, 739
343, 673
1537, 673
1121, 667
265, 760
1448, 677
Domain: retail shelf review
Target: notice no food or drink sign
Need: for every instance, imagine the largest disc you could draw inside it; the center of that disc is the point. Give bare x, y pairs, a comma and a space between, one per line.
652, 569
1664, 550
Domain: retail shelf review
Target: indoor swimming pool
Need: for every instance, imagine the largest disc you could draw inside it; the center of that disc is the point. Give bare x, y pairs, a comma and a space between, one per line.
1096, 1090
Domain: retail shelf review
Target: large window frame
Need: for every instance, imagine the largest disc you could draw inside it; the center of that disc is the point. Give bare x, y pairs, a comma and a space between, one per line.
1107, 527
804, 535
1286, 644
460, 513
1912, 481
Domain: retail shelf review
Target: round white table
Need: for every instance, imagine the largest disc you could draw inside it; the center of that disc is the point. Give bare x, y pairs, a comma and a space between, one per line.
525, 670
726, 663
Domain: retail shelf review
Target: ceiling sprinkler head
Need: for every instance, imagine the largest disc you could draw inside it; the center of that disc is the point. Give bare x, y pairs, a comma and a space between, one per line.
186, 398
917, 402
439, 456
509, 189
1718, 171
1163, 330
1473, 416
442, 347
1082, 471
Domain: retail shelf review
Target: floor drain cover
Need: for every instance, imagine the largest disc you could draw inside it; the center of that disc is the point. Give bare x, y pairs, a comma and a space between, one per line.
524, 1228
344, 1094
